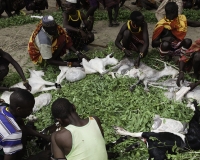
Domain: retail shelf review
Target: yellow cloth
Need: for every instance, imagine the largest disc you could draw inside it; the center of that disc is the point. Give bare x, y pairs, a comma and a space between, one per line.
178, 27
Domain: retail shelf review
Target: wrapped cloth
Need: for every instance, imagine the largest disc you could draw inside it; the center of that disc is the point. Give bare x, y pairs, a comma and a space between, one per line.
178, 27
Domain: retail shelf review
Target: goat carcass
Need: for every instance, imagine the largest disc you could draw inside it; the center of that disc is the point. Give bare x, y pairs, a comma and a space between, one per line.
72, 74
143, 73
98, 64
178, 93
160, 143
36, 81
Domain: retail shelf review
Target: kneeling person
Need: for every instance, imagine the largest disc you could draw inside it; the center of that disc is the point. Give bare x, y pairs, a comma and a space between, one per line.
49, 42
134, 36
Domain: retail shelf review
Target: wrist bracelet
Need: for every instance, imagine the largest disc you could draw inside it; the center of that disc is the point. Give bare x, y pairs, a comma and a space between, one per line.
141, 54
26, 81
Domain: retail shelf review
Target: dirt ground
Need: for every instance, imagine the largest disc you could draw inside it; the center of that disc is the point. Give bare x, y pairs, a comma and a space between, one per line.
14, 40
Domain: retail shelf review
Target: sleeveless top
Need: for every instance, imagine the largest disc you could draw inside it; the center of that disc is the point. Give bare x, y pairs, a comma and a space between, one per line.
75, 22
87, 142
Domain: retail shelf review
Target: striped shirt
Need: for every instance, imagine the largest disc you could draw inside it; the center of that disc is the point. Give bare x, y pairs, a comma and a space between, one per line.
10, 133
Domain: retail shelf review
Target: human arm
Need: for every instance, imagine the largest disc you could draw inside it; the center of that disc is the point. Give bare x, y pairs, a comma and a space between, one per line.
119, 39
193, 85
193, 23
144, 48
181, 73
61, 143
16, 66
145, 38
85, 21
8, 89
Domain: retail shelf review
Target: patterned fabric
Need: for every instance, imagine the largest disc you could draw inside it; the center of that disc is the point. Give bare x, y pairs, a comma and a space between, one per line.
195, 47
178, 27
34, 51
10, 133
175, 50
136, 38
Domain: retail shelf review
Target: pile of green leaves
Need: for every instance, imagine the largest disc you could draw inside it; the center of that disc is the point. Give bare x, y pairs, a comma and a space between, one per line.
124, 15
111, 100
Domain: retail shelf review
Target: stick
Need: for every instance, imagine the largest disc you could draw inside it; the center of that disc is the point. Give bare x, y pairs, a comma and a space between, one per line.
98, 45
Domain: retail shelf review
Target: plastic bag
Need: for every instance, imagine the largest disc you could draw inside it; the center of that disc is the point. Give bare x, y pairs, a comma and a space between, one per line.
75, 74
42, 100
168, 125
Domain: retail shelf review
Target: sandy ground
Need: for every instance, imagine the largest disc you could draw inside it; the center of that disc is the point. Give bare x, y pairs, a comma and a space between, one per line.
14, 40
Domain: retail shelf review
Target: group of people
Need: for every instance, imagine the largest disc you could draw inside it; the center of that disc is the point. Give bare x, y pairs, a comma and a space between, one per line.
49, 42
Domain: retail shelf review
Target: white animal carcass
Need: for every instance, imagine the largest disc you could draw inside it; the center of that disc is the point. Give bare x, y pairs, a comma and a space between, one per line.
167, 125
42, 100
36, 81
98, 64
71, 74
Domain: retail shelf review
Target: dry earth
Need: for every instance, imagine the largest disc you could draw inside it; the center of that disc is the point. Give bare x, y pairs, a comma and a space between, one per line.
14, 39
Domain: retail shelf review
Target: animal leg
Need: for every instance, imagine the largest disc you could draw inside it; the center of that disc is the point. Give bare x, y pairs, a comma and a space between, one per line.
133, 86
112, 74
146, 85
112, 144
48, 88
123, 132
61, 76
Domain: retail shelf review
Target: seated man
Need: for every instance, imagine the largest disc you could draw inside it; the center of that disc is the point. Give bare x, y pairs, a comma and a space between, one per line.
13, 131
134, 36
169, 37
78, 138
77, 26
5, 60
49, 42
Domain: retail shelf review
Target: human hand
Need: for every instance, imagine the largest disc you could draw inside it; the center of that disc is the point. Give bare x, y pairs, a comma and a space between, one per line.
81, 56
180, 77
137, 62
127, 53
28, 87
84, 36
